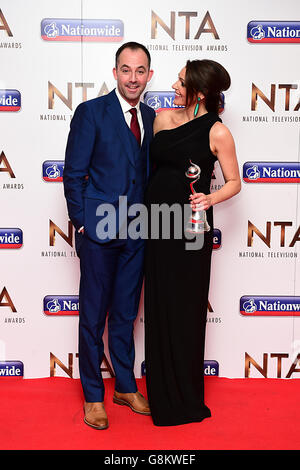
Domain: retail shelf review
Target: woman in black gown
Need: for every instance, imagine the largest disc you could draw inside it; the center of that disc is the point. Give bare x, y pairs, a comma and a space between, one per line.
177, 277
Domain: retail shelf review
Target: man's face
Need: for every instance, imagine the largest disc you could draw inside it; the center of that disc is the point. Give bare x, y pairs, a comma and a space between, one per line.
132, 74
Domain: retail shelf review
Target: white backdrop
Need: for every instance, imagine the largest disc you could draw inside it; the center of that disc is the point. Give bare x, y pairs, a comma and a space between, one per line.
259, 252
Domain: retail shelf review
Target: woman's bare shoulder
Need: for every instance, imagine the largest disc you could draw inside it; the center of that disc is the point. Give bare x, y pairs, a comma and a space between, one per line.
219, 131
165, 120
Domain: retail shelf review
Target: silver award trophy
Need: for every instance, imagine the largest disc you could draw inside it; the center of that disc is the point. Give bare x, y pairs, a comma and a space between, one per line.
197, 222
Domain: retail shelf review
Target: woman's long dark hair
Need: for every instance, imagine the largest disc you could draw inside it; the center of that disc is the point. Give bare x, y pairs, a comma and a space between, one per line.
208, 77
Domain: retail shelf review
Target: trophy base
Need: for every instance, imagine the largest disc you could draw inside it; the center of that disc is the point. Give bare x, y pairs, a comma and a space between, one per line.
197, 225
196, 230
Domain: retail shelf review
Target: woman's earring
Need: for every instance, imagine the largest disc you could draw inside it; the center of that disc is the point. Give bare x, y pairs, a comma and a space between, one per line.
197, 107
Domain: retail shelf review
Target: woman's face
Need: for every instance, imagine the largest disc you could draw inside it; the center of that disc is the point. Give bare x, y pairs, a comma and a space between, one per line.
180, 90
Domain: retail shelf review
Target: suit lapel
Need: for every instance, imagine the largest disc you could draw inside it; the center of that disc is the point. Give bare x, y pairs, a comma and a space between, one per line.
147, 123
115, 112
116, 115
148, 133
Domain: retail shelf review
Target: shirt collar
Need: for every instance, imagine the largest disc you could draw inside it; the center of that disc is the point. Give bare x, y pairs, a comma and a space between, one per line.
124, 104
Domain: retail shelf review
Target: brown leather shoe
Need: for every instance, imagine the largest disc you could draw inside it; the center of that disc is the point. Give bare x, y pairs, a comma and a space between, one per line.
135, 401
95, 415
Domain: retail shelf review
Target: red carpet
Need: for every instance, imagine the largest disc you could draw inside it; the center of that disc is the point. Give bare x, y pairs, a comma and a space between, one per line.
247, 414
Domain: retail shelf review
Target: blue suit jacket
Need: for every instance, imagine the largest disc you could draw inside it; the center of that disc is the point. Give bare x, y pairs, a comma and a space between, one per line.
101, 146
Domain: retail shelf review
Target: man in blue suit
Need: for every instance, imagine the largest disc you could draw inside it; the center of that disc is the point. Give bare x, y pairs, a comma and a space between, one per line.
107, 156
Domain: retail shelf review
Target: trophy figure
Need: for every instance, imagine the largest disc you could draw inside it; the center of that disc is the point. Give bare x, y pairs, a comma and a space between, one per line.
197, 222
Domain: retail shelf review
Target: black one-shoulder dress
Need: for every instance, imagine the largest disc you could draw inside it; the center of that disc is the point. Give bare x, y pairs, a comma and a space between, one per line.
177, 278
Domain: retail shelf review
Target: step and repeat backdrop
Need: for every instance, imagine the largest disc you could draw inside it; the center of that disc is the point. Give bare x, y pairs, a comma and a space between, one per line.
54, 55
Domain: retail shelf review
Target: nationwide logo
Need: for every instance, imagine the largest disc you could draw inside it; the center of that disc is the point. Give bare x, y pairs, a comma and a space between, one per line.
159, 100
61, 305
53, 170
271, 172
273, 31
222, 104
10, 100
11, 238
210, 368
251, 305
63, 29
11, 369
217, 238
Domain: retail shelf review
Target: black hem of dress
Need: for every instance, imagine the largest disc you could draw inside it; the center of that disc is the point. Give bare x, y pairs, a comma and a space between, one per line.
180, 422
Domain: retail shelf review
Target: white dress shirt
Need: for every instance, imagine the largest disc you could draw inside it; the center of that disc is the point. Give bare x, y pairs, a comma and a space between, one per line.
126, 107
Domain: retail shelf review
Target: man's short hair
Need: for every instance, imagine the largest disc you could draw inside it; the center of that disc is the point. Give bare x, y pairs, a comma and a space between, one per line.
133, 46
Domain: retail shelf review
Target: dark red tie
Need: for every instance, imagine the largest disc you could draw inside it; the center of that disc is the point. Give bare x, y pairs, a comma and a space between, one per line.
134, 125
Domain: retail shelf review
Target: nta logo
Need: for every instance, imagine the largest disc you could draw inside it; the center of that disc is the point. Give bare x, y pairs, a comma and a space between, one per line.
4, 25
206, 25
288, 97
6, 168
266, 238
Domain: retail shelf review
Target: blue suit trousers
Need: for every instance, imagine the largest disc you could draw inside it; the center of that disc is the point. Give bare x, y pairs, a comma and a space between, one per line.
110, 287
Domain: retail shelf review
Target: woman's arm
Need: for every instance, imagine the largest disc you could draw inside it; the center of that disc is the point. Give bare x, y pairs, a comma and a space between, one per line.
222, 145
